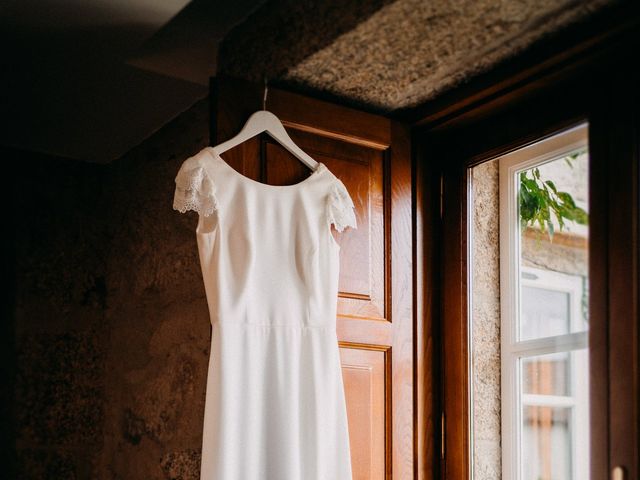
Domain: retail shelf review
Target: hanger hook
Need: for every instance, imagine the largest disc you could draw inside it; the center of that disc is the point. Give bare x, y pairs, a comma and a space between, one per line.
266, 90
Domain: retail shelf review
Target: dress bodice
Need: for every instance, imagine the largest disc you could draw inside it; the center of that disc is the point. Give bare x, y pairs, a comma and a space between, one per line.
267, 253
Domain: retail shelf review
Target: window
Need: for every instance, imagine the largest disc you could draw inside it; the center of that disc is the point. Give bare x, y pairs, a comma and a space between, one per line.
543, 309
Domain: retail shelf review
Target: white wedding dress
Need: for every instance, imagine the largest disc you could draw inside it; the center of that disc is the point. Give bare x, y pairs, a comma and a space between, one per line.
275, 406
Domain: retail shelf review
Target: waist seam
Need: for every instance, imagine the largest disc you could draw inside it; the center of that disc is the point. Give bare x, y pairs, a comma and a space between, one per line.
278, 325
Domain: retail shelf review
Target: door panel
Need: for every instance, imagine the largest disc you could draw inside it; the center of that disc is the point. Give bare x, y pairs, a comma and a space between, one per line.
364, 379
371, 155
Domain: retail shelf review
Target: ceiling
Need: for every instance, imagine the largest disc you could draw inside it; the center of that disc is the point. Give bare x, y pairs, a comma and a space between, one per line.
90, 79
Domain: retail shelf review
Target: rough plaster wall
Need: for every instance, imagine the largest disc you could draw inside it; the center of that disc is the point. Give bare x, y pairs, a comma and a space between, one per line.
486, 322
112, 328
404, 54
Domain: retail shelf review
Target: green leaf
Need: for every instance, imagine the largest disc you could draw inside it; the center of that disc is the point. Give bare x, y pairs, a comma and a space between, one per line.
538, 198
566, 198
552, 186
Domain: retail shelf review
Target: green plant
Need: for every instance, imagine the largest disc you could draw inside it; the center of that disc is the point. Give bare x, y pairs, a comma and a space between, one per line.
539, 199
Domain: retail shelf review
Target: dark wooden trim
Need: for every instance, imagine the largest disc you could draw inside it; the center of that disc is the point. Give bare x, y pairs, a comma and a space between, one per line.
454, 329
617, 134
426, 246
598, 299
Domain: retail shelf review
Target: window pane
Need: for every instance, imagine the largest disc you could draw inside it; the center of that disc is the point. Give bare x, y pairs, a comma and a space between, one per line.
544, 313
547, 374
546, 443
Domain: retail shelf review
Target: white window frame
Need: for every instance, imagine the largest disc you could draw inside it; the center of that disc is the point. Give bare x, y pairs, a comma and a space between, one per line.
513, 350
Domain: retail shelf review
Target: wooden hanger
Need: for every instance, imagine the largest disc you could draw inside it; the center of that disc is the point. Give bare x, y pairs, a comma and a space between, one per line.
265, 121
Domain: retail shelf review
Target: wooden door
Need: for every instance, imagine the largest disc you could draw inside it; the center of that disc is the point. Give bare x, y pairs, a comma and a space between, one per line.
371, 155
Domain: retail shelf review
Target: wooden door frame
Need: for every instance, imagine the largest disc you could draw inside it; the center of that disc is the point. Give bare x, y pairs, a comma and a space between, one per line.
589, 80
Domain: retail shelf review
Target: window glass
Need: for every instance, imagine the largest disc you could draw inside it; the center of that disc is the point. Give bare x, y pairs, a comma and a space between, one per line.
547, 374
544, 313
546, 443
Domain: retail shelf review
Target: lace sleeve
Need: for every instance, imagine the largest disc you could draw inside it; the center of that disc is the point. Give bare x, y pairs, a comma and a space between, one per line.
341, 207
195, 189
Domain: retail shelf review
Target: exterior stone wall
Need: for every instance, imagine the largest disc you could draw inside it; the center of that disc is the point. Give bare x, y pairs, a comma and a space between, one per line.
485, 322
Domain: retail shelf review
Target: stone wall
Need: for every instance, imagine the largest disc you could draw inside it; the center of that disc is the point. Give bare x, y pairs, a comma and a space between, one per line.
485, 323
110, 318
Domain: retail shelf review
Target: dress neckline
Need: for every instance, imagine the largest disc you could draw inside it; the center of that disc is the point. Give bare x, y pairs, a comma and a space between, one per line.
321, 167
